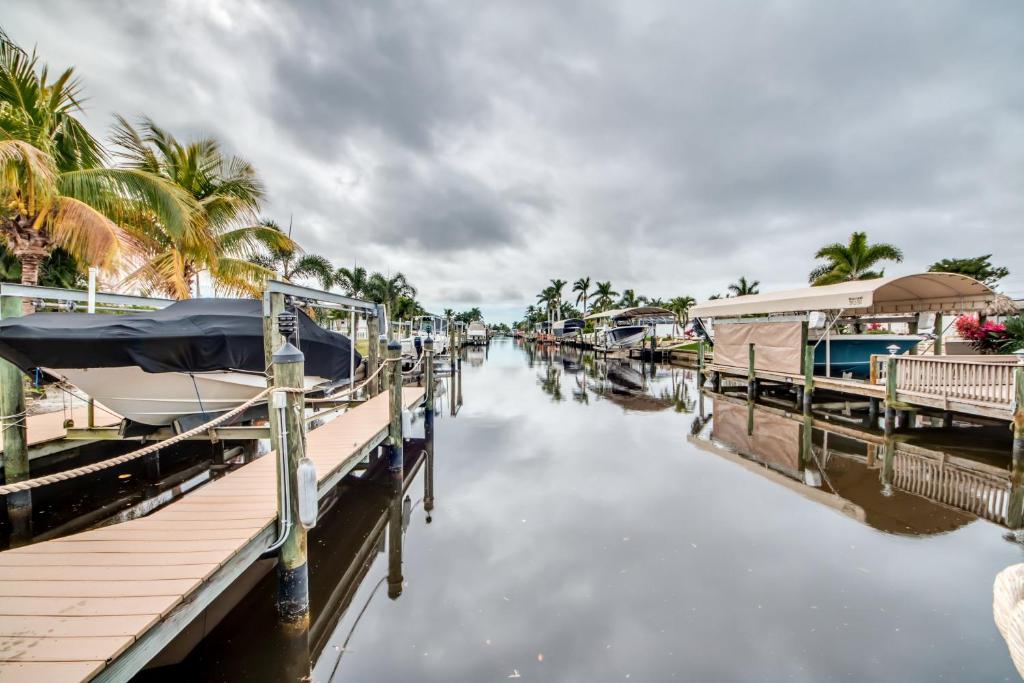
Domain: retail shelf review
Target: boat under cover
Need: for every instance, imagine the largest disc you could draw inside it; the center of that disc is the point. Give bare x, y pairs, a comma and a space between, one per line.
195, 356
851, 353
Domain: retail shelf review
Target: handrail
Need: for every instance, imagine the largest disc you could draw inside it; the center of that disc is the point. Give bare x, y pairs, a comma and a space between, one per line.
983, 379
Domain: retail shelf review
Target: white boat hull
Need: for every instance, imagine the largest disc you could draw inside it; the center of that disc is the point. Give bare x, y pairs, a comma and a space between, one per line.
162, 397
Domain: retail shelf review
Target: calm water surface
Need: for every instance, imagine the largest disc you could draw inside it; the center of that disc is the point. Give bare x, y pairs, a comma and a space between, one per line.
581, 533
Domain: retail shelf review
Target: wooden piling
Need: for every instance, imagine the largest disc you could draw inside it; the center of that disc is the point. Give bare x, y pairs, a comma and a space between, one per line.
937, 348
451, 344
373, 352
428, 425
751, 374
396, 454
808, 378
1018, 413
912, 327
293, 579
700, 364
890, 396
15, 436
1015, 506
395, 578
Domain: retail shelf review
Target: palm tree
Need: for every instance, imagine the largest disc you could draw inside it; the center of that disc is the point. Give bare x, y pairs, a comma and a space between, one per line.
628, 299
582, 286
354, 281
223, 236
290, 263
744, 288
680, 305
547, 297
853, 261
604, 296
388, 290
55, 189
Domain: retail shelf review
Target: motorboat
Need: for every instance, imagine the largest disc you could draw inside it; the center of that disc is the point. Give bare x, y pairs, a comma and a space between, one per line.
194, 357
624, 328
849, 355
476, 333
567, 329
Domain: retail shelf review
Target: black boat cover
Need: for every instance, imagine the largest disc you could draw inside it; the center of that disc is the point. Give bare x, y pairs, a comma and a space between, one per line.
195, 335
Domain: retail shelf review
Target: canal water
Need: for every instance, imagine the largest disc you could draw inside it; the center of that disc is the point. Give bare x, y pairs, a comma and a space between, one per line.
596, 520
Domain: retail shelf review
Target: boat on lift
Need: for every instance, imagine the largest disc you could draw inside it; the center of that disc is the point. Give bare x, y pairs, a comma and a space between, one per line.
198, 357
624, 328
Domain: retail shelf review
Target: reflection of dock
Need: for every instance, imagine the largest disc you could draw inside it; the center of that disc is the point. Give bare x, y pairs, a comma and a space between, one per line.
103, 603
772, 440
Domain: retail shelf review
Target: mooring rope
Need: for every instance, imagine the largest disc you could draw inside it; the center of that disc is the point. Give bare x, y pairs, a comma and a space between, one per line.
37, 482
413, 368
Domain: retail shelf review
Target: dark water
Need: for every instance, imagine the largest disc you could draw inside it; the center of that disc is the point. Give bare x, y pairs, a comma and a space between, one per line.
583, 533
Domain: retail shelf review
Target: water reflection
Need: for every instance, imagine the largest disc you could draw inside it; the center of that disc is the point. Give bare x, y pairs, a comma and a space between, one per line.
587, 539
630, 384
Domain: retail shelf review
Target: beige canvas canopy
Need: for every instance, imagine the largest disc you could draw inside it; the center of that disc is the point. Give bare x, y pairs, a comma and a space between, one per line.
937, 292
634, 312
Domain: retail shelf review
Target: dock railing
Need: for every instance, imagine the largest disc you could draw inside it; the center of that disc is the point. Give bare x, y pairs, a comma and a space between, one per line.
982, 379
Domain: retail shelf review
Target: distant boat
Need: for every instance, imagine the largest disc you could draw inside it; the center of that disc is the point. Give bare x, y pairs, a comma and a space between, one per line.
851, 353
567, 329
624, 328
199, 356
476, 333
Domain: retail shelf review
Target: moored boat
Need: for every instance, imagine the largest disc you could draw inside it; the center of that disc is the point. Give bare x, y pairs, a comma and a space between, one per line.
199, 356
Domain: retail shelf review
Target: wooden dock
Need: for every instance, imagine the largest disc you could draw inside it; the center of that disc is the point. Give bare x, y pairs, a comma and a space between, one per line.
102, 603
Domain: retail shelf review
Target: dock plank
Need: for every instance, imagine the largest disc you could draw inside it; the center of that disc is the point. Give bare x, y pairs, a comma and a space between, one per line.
51, 672
21, 649
75, 627
72, 605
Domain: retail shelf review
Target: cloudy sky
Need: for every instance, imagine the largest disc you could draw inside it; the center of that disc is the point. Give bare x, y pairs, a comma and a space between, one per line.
670, 147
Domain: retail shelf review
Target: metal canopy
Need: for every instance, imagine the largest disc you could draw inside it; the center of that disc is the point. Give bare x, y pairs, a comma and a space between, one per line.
634, 312
80, 295
937, 292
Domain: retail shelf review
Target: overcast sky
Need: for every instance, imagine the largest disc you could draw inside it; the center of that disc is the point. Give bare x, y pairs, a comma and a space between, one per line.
670, 147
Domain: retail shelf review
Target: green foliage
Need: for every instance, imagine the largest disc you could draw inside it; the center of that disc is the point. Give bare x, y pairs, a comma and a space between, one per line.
852, 261
744, 288
978, 267
470, 316
58, 269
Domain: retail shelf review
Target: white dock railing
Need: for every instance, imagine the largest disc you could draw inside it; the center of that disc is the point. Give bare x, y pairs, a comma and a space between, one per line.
984, 379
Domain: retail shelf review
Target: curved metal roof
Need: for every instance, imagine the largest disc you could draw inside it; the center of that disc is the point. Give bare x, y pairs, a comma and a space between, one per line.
939, 292
634, 312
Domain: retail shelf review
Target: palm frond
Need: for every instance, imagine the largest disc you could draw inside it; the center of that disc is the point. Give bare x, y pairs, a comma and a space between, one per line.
85, 232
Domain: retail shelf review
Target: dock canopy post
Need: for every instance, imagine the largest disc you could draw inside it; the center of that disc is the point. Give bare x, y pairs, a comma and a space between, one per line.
15, 436
372, 350
292, 575
396, 455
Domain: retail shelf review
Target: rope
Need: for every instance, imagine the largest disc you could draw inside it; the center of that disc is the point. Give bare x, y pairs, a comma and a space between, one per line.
413, 368
30, 484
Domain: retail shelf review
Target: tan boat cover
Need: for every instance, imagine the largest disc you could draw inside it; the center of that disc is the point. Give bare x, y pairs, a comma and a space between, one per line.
939, 292
777, 345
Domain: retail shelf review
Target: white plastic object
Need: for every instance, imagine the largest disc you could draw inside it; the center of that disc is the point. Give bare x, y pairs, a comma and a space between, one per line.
278, 399
812, 478
816, 320
309, 505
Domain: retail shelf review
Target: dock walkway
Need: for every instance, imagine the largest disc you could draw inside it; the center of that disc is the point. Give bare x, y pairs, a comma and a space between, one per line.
100, 604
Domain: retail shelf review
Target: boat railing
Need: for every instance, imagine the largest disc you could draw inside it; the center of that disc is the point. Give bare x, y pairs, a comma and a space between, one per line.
985, 379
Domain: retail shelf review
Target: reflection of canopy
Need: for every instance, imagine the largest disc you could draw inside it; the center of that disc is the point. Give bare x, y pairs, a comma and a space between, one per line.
857, 491
634, 312
897, 294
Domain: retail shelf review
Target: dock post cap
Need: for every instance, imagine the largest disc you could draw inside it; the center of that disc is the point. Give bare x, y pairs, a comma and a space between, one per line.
288, 353
394, 346
429, 341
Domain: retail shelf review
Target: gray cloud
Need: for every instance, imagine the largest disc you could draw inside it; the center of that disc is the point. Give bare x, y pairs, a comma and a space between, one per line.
667, 148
